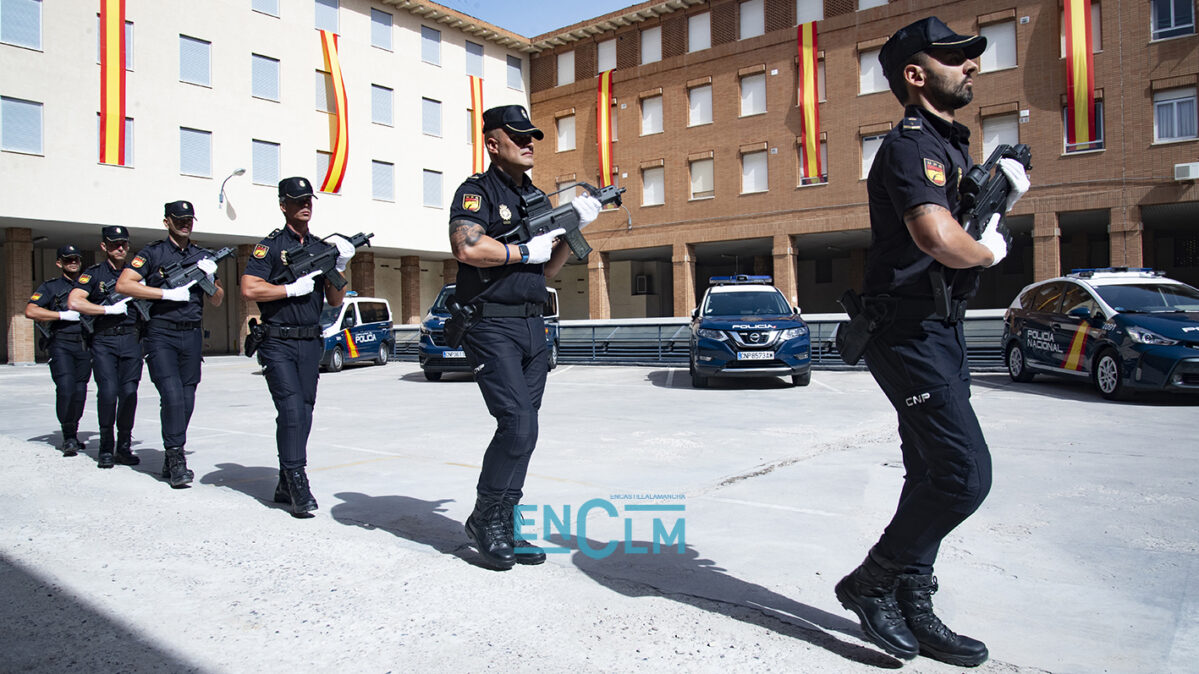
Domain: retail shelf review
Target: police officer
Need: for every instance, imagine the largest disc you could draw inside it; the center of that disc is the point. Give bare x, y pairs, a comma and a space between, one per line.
919, 357
70, 362
174, 339
116, 347
292, 347
505, 286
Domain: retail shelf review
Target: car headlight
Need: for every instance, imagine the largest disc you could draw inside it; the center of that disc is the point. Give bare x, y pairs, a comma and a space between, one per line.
424, 329
717, 335
792, 333
1143, 336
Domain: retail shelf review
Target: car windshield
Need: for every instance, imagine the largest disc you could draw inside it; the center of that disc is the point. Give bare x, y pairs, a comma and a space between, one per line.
1150, 297
746, 304
329, 316
442, 297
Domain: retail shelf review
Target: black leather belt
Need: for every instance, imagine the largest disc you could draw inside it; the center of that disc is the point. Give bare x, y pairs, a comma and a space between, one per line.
493, 310
292, 331
174, 325
68, 336
917, 308
117, 330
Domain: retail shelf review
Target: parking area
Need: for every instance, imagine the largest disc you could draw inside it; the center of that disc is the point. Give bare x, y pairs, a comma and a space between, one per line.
1084, 558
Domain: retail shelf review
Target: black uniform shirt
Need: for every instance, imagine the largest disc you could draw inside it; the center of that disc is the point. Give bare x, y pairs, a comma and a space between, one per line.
91, 280
492, 200
920, 161
151, 260
266, 262
52, 295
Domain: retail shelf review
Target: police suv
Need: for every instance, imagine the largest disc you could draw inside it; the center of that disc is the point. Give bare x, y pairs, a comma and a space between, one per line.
1124, 329
357, 331
744, 327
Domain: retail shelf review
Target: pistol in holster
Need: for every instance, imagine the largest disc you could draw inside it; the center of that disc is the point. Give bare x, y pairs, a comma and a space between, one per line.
865, 321
254, 337
462, 318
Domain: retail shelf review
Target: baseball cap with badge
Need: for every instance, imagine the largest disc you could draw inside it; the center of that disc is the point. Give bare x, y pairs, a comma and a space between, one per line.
927, 33
295, 188
69, 251
179, 209
513, 118
114, 233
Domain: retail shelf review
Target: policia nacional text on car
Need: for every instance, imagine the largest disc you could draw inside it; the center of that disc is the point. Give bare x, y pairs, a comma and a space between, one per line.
291, 345
174, 339
917, 352
499, 299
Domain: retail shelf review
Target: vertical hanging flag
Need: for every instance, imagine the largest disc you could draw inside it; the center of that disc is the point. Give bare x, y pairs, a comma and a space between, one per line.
603, 127
476, 124
341, 125
809, 102
112, 82
1080, 74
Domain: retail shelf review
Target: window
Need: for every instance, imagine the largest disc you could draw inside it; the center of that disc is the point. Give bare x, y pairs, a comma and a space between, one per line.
430, 45
566, 133
566, 192
753, 94
264, 77
326, 15
194, 61
754, 173
703, 184
270, 7
21, 23
1000, 130
128, 43
322, 166
870, 146
383, 180
615, 135
605, 56
699, 31
1171, 18
700, 101
1096, 144
651, 45
381, 98
474, 59
264, 156
814, 180
430, 116
470, 126
195, 152
1174, 115
432, 188
653, 186
516, 75
1001, 46
753, 19
380, 29
1096, 30
867, 4
809, 10
128, 138
651, 115
870, 73
566, 67
324, 92
20, 125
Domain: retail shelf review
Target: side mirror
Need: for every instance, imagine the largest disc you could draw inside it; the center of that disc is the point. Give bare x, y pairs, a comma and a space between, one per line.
695, 313
796, 309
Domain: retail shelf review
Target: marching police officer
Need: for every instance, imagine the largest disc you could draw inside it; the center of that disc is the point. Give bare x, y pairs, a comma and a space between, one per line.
919, 357
291, 346
116, 347
174, 339
70, 362
504, 287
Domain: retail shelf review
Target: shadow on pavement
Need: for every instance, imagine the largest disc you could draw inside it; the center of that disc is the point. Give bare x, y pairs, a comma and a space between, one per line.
408, 518
55, 439
257, 482
1080, 390
682, 380
446, 377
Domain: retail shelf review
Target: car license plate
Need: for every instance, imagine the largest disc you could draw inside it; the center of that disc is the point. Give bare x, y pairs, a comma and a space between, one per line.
455, 354
755, 355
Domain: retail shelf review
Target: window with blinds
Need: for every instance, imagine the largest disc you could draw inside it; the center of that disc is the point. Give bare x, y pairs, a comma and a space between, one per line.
264, 158
195, 152
264, 77
195, 57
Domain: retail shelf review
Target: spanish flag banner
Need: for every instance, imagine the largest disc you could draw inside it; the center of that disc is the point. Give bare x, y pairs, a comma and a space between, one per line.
341, 125
809, 102
1080, 74
603, 127
112, 82
476, 124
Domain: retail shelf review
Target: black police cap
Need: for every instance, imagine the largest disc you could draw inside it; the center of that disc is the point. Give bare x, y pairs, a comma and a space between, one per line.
179, 209
114, 233
68, 251
295, 188
514, 118
928, 33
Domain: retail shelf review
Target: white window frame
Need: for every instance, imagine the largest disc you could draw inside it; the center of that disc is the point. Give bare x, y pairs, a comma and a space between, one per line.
322, 167
750, 162
128, 43
871, 78
430, 45
699, 32
1096, 29
752, 87
566, 68
196, 44
566, 133
382, 31
566, 192
428, 175
1176, 27
752, 15
260, 173
382, 101
808, 10
822, 179
651, 115
999, 130
653, 186
697, 98
1172, 100
1097, 145
383, 181
128, 140
318, 15
1001, 52
324, 84
257, 63
8, 131
196, 134
12, 39
268, 7
430, 117
870, 4
605, 55
869, 146
651, 45
696, 171
474, 61
515, 65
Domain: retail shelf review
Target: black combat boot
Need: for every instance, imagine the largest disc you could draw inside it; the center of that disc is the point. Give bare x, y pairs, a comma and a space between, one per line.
125, 455
915, 598
525, 551
869, 591
281, 493
492, 534
70, 443
298, 492
105, 458
174, 468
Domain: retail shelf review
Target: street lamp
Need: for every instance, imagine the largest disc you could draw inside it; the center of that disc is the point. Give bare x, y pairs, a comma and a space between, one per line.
236, 172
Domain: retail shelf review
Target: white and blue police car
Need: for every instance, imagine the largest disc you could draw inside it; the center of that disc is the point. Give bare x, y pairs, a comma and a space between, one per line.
357, 331
1124, 329
744, 327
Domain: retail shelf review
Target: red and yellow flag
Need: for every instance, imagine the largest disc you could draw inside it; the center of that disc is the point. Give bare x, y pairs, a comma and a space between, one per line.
341, 125
112, 82
1080, 74
476, 124
603, 127
351, 347
809, 101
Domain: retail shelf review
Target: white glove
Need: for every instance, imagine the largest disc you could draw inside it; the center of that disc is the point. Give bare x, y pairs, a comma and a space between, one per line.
588, 208
182, 294
1016, 177
68, 315
993, 240
542, 246
345, 251
301, 286
117, 309
207, 265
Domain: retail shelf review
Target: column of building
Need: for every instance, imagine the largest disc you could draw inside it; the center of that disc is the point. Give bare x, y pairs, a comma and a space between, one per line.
18, 286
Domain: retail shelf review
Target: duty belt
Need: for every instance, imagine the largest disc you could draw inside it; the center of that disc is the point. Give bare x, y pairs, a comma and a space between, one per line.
493, 310
68, 336
917, 308
174, 325
292, 331
117, 330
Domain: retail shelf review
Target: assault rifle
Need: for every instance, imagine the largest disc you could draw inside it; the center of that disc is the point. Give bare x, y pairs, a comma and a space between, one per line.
309, 257
138, 308
179, 274
60, 300
541, 218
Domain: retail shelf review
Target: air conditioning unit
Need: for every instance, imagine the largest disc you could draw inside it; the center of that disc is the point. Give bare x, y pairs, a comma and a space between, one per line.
1188, 171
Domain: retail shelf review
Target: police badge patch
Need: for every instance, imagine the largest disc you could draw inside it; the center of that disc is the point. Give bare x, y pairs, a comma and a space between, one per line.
260, 251
471, 202
935, 172
138, 262
85, 278
505, 213
36, 297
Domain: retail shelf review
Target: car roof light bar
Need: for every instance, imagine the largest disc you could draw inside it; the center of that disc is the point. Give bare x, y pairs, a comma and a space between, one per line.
738, 279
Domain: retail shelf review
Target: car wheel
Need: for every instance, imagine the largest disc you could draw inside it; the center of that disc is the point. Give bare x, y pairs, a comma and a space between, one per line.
336, 361
384, 353
553, 357
1017, 366
697, 379
801, 379
432, 376
1106, 375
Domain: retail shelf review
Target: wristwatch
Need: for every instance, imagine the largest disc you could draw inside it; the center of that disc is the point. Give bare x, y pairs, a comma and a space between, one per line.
524, 253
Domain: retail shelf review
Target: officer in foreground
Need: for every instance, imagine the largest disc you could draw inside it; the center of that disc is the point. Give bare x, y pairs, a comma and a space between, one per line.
918, 357
174, 339
291, 346
116, 348
70, 362
503, 287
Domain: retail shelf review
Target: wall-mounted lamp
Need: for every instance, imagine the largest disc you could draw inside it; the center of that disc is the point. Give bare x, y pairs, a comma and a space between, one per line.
236, 172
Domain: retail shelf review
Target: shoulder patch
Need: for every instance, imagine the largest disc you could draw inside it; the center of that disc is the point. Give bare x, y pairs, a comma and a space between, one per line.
85, 278
138, 262
472, 202
260, 250
912, 123
934, 171
275, 233
35, 297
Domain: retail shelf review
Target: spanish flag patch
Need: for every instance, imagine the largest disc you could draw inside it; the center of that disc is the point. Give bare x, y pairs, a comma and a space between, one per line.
471, 202
260, 251
85, 278
36, 297
138, 262
935, 172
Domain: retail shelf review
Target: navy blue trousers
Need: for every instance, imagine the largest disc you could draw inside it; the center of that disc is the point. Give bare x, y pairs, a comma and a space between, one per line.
117, 361
173, 358
292, 367
71, 369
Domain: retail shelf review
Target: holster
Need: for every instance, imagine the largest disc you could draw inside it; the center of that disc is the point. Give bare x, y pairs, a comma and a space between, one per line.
254, 337
865, 321
462, 319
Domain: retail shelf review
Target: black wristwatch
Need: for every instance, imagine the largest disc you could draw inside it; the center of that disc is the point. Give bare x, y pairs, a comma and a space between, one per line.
524, 253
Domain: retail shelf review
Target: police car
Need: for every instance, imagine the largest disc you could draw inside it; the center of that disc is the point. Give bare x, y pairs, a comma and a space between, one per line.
357, 331
1124, 329
744, 327
436, 357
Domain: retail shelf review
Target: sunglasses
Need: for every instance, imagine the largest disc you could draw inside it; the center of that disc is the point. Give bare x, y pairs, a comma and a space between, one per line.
116, 244
74, 259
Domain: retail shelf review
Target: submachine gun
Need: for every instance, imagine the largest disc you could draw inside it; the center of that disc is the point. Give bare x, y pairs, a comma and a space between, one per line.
179, 274
309, 257
108, 297
541, 218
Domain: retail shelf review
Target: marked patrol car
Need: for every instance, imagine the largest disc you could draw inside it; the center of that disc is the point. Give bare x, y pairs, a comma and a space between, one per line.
1124, 329
436, 357
744, 327
357, 331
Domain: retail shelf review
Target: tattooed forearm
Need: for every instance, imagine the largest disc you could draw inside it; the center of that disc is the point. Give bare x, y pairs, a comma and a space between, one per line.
465, 233
923, 209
